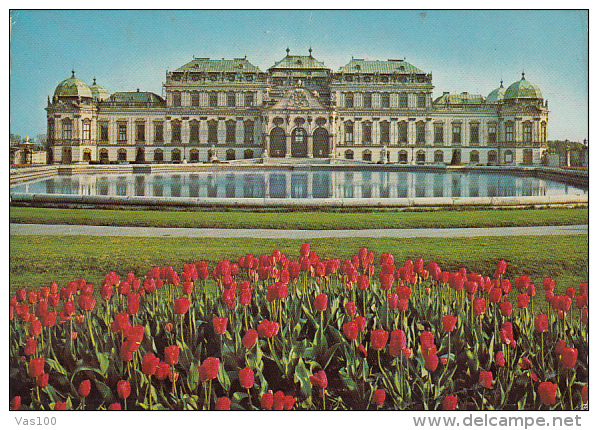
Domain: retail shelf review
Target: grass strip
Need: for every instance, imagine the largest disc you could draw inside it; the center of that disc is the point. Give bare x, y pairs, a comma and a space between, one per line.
313, 220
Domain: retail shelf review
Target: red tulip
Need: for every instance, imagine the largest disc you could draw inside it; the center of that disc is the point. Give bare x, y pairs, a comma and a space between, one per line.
501, 267
548, 284
449, 322
245, 296
506, 308
211, 366
304, 250
407, 353
220, 325
522, 300
378, 339
500, 359
321, 302
42, 380
350, 308
126, 354
393, 301
547, 392
485, 379
525, 363
363, 282
15, 403
123, 388
569, 358
246, 378
162, 371
181, 305
267, 400
397, 342
249, 338
115, 407
541, 323
560, 347
584, 394
319, 381
223, 404
426, 339
361, 323
60, 406
35, 327
149, 364
431, 361
84, 388
278, 403
36, 367
106, 292
449, 403
266, 329
30, 346
132, 303
289, 402
362, 350
350, 330
479, 306
379, 397
171, 354
86, 302
495, 295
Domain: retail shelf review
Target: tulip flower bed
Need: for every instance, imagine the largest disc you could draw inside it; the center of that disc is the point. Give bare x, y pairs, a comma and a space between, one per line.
310, 334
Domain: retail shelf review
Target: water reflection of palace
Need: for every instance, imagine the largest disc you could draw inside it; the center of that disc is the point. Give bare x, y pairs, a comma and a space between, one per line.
303, 185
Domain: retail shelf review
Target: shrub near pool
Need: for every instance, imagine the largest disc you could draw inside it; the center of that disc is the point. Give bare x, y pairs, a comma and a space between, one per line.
366, 333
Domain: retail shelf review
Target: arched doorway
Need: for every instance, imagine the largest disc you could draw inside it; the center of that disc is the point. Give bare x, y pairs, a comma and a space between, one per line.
528, 156
194, 156
321, 148
299, 142
175, 155
104, 156
67, 155
278, 142
140, 155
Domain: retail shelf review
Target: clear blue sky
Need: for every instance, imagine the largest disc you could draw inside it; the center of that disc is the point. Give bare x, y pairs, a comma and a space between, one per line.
465, 50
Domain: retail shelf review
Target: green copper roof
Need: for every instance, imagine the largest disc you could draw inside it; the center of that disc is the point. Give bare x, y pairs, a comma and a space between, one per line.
99, 92
135, 97
305, 62
496, 95
72, 87
209, 65
378, 66
459, 99
523, 89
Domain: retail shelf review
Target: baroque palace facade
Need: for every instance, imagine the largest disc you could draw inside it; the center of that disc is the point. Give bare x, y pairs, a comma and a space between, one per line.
373, 111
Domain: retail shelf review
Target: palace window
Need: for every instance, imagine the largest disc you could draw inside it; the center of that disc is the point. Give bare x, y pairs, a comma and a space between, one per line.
491, 133
474, 132
248, 99
456, 132
421, 100
420, 129
403, 101
121, 155
140, 132
176, 98
86, 130
384, 132
366, 127
212, 131
474, 157
158, 132
231, 99
348, 100
509, 132
195, 98
349, 132
104, 131
50, 129
385, 100
67, 129
527, 132
213, 99
193, 131
158, 155
248, 129
176, 131
367, 100
231, 127
403, 132
438, 133
122, 132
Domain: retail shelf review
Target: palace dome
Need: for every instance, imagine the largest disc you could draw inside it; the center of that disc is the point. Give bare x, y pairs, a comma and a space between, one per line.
523, 90
496, 95
99, 92
72, 87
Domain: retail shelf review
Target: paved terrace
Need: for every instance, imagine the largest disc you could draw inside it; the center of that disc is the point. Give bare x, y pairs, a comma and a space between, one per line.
39, 229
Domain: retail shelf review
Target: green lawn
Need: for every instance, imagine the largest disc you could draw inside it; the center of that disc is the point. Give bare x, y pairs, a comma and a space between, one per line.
38, 260
314, 220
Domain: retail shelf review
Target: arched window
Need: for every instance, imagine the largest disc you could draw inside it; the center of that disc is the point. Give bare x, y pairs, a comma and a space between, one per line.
420, 133
474, 157
175, 155
122, 154
104, 156
194, 156
438, 156
194, 131
439, 132
403, 156
248, 154
420, 157
366, 132
349, 132
527, 132
231, 131
176, 131
492, 157
366, 155
403, 132
348, 154
230, 154
509, 132
248, 129
87, 155
278, 142
508, 157
384, 133
158, 155
67, 129
213, 131
87, 131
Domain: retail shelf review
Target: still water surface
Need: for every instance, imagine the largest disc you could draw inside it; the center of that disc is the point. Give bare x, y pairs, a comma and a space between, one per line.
298, 184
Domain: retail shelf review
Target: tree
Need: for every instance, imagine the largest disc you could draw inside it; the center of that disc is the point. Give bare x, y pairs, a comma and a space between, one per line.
15, 139
41, 138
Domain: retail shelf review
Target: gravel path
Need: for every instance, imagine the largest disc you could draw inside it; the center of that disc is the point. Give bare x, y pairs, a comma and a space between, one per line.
43, 229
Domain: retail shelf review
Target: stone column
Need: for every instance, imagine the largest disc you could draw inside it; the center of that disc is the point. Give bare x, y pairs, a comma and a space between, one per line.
288, 145
310, 146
